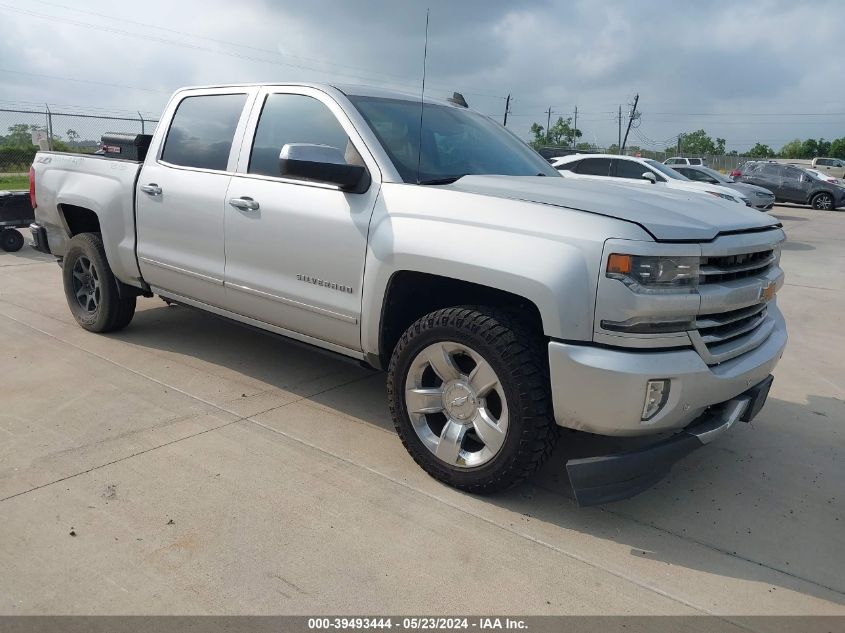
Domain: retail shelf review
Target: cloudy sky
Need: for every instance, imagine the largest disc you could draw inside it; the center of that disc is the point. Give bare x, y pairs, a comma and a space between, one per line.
744, 70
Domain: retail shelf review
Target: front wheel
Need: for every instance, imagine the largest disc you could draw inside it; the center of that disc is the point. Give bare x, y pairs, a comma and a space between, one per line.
822, 201
469, 394
91, 288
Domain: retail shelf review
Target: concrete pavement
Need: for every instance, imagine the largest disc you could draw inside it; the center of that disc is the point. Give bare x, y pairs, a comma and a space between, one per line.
207, 468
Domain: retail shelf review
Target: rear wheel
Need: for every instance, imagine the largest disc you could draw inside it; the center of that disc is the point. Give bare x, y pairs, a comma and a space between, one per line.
11, 240
822, 201
469, 395
91, 289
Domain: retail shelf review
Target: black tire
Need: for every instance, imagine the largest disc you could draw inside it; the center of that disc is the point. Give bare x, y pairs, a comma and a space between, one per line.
91, 289
518, 358
822, 201
11, 240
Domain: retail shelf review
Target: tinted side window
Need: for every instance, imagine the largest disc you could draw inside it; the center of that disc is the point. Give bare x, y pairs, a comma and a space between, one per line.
202, 130
287, 118
594, 167
569, 166
694, 174
824, 161
791, 172
630, 169
772, 171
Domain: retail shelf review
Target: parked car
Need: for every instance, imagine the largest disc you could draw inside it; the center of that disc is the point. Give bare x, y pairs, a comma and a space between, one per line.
760, 197
793, 184
641, 171
502, 299
831, 166
680, 160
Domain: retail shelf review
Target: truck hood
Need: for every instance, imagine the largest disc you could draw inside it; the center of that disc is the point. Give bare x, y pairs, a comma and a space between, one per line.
667, 214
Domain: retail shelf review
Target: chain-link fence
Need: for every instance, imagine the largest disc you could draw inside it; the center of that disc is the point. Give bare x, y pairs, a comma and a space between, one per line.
23, 132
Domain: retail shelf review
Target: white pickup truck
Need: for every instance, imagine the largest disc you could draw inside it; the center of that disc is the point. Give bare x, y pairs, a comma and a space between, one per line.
423, 238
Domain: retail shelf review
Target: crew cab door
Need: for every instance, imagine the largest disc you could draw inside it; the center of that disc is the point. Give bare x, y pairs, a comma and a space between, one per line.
295, 249
181, 192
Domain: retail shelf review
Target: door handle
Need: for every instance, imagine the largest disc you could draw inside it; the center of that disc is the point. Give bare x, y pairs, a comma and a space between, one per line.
152, 189
244, 202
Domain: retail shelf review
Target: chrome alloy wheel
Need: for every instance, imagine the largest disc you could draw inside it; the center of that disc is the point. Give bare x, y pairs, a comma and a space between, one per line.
456, 404
86, 284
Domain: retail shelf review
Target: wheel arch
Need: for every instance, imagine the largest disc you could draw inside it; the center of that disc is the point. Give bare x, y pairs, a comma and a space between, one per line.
410, 294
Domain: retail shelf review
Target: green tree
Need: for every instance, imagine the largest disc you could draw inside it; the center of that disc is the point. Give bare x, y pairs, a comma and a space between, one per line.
699, 143
792, 149
761, 151
20, 135
837, 148
560, 134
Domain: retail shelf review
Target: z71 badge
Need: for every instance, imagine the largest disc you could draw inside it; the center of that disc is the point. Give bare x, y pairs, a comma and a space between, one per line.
325, 284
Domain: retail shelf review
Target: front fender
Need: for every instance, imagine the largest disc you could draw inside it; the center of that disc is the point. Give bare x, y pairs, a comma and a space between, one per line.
557, 270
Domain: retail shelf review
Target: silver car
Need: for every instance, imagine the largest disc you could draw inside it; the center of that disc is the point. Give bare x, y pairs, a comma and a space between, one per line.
760, 197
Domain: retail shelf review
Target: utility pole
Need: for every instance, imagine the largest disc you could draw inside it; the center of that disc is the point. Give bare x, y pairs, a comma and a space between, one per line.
679, 144
548, 124
574, 127
619, 142
507, 109
634, 114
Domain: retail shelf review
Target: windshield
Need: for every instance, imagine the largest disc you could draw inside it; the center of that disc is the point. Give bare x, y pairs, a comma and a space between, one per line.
455, 142
666, 171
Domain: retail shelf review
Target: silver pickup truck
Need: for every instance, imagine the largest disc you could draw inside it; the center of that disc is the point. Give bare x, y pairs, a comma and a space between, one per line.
422, 238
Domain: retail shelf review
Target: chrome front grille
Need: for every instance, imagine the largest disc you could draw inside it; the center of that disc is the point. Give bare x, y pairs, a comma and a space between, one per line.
737, 280
716, 329
730, 267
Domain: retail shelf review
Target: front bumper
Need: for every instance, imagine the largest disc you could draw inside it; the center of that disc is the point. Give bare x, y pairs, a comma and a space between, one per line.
602, 390
609, 478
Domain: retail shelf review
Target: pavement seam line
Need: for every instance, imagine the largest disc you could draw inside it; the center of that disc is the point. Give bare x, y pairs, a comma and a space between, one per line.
362, 466
491, 522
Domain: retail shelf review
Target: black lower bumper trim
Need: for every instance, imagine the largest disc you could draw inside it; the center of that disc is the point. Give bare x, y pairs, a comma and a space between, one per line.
39, 238
607, 478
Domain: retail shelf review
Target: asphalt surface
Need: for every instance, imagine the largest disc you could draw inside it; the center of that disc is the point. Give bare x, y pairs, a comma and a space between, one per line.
189, 465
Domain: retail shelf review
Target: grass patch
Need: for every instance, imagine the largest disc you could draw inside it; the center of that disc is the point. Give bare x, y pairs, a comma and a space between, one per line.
13, 182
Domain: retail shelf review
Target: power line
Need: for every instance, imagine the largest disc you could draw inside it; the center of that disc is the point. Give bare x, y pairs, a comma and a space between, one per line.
86, 81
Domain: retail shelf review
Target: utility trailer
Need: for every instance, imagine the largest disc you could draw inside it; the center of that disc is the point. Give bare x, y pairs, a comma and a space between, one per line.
15, 213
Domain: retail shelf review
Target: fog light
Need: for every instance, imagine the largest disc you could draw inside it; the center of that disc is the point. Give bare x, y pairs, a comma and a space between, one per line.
656, 395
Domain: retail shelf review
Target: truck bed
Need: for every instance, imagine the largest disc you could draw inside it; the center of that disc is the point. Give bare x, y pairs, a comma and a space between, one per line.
67, 184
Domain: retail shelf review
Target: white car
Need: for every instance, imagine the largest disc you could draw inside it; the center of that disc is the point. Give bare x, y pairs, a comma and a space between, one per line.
645, 171
681, 160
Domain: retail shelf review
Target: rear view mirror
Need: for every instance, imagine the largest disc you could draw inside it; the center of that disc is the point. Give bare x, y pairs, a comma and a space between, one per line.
322, 163
649, 176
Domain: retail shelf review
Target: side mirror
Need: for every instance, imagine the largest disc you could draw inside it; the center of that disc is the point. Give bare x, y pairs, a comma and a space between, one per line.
322, 163
649, 176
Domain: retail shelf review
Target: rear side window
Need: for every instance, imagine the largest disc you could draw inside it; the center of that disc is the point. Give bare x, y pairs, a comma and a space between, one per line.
202, 130
568, 166
771, 170
631, 169
594, 167
289, 118
695, 161
824, 161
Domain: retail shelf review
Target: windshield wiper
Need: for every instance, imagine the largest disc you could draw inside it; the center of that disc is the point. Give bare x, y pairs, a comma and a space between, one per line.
441, 181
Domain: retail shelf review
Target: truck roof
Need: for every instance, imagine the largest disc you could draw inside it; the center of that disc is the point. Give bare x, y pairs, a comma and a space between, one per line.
356, 90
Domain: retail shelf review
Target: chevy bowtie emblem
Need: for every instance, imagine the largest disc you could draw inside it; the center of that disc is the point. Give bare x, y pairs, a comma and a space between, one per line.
459, 401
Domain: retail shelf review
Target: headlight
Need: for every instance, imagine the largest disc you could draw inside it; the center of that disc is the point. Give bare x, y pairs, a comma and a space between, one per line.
651, 274
723, 196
